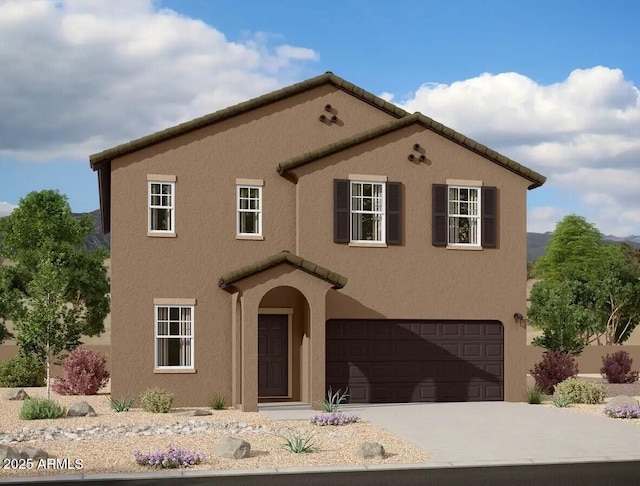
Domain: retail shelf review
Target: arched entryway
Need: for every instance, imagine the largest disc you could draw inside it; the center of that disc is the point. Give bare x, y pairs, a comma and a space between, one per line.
283, 345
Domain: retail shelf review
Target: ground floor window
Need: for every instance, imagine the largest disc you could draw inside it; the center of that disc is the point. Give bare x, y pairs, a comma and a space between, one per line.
174, 336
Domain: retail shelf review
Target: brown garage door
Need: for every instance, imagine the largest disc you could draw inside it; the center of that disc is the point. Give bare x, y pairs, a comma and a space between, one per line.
399, 361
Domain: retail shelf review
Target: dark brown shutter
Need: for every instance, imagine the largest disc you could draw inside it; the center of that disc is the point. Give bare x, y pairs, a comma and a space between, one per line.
341, 211
439, 215
489, 217
394, 213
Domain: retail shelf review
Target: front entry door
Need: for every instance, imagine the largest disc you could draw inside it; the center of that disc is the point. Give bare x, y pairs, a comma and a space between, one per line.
273, 355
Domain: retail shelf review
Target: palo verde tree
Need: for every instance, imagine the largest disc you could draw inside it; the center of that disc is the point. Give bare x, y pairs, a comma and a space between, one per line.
43, 229
589, 290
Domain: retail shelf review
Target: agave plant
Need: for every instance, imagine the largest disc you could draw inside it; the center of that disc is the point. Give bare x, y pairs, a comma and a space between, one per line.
332, 403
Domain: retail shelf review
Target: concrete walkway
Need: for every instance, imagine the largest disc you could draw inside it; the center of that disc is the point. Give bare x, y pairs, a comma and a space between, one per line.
497, 433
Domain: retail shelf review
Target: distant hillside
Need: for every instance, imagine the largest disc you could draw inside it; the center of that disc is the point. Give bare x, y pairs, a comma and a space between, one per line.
536, 243
97, 239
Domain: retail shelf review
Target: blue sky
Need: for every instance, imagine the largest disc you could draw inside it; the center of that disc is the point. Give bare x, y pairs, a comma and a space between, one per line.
553, 85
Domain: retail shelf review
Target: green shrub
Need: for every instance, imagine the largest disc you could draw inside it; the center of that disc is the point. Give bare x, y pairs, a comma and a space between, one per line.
561, 401
218, 402
22, 371
41, 408
120, 404
534, 395
581, 391
156, 400
299, 444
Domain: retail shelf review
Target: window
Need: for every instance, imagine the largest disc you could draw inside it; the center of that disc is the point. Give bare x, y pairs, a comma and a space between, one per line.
249, 210
174, 336
161, 207
367, 211
464, 215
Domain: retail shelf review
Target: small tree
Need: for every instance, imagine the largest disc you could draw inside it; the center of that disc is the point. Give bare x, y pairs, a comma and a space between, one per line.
50, 326
563, 322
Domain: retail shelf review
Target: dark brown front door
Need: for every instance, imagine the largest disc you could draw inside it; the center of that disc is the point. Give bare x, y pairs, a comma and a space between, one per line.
386, 361
273, 355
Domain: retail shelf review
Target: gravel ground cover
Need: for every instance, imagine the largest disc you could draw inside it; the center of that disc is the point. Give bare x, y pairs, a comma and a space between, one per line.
333, 445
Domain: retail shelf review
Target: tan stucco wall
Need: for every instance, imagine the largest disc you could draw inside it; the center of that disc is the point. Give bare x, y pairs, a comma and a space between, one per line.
206, 164
417, 280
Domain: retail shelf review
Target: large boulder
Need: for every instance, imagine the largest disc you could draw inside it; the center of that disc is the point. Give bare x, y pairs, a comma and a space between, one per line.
33, 453
81, 409
15, 394
370, 450
198, 412
7, 452
232, 448
622, 401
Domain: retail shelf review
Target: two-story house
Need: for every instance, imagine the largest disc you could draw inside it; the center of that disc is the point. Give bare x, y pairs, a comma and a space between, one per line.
316, 236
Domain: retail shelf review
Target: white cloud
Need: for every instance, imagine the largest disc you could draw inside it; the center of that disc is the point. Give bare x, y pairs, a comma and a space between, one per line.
582, 133
6, 208
79, 76
544, 218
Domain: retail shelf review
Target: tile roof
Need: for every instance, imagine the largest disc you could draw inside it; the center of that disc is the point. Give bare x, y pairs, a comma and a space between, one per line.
203, 121
285, 256
536, 179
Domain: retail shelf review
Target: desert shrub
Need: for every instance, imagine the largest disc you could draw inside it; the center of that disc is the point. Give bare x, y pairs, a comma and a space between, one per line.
336, 418
616, 368
156, 400
561, 401
298, 443
555, 367
121, 404
581, 391
84, 372
170, 459
41, 408
218, 402
22, 371
333, 401
534, 395
629, 412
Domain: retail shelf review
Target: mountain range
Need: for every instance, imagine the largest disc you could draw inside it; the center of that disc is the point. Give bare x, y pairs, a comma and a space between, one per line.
536, 242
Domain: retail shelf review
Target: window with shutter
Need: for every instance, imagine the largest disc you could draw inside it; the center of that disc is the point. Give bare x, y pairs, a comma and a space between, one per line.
367, 212
464, 216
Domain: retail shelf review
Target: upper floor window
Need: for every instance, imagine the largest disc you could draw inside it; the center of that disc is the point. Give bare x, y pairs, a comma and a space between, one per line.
464, 215
161, 207
249, 210
368, 211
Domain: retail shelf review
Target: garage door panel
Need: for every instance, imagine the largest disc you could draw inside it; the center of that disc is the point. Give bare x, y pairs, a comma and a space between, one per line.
386, 361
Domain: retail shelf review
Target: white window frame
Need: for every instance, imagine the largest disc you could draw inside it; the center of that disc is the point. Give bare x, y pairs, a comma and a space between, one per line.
170, 207
258, 211
383, 213
157, 337
477, 217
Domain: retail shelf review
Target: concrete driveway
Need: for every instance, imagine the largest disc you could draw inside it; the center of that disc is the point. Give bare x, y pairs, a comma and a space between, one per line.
498, 433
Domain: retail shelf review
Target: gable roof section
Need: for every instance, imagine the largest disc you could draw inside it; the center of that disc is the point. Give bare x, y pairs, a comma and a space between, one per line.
536, 179
285, 256
102, 161
252, 104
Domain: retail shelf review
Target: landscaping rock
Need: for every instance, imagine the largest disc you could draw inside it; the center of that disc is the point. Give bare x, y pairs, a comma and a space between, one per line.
7, 452
370, 450
194, 413
81, 409
622, 401
33, 453
232, 448
15, 394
